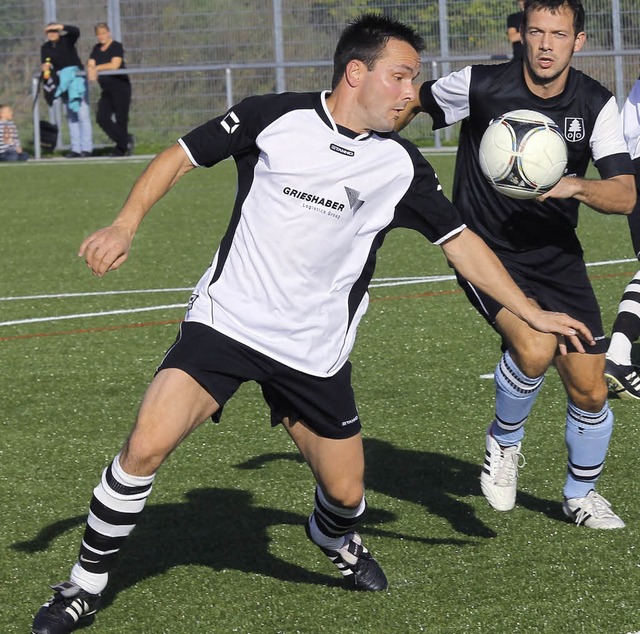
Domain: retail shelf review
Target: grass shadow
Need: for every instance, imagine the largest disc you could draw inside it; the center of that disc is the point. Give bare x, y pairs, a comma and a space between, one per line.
433, 480
218, 528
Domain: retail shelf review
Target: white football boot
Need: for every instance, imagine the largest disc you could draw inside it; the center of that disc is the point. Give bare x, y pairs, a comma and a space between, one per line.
499, 476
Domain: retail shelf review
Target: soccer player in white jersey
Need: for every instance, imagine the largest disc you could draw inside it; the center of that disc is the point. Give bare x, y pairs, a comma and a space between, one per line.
537, 243
620, 372
322, 178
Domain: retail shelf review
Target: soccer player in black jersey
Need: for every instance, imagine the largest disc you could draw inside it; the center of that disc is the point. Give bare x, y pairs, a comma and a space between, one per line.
537, 243
322, 178
623, 378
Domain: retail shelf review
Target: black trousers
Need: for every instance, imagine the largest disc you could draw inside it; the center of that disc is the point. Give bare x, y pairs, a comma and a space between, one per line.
113, 112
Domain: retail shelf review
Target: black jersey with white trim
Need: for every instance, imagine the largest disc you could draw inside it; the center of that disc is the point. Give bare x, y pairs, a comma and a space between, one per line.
314, 203
586, 113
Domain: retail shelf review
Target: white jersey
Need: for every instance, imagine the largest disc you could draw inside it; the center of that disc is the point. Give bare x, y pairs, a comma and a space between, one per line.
313, 205
631, 120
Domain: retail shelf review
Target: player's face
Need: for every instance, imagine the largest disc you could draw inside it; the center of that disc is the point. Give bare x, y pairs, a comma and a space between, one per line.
550, 42
388, 87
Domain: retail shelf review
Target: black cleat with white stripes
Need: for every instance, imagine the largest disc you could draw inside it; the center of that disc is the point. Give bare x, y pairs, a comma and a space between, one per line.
358, 567
61, 613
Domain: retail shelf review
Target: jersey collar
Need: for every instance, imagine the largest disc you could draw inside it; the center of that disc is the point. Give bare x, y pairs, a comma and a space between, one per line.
338, 129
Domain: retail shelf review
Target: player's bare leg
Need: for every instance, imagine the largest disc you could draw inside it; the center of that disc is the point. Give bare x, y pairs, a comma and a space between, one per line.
173, 406
338, 467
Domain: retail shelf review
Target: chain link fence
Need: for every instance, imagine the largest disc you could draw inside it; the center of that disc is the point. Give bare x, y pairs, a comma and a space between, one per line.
189, 59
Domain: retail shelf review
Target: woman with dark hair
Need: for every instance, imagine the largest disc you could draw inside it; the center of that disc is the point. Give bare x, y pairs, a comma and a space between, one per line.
113, 105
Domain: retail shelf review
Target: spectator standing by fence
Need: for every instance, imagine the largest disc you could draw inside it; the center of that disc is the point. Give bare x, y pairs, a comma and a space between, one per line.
60, 56
10, 146
115, 99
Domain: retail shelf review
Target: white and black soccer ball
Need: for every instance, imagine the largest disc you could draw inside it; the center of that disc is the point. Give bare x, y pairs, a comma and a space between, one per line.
523, 154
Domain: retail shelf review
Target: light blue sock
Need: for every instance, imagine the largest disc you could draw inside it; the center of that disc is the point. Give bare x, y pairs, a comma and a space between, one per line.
587, 437
515, 396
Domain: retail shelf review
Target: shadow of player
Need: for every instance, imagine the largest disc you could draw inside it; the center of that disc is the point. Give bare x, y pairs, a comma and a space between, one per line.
432, 480
218, 528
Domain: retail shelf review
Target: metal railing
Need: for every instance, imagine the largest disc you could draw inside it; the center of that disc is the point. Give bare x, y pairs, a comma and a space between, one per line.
620, 84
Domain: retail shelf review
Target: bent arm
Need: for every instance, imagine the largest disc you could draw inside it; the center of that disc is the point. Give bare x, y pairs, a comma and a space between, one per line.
406, 116
106, 249
615, 195
475, 261
113, 64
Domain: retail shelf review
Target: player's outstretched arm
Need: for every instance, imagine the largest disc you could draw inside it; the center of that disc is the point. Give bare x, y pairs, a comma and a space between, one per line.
106, 249
473, 259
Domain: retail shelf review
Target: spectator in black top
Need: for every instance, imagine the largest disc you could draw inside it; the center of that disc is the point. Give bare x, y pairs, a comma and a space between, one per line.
59, 55
113, 106
514, 20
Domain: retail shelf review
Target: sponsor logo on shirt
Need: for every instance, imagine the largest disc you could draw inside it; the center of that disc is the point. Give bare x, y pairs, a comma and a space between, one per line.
354, 199
316, 202
341, 150
574, 129
325, 205
230, 122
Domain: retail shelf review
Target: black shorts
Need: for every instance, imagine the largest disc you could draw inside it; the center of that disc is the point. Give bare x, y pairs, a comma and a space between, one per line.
556, 280
221, 364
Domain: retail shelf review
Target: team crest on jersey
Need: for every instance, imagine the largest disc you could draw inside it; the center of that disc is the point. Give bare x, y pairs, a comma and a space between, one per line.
354, 201
574, 129
231, 122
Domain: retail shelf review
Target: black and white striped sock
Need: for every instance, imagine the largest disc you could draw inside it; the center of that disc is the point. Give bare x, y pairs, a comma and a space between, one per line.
115, 507
626, 328
328, 524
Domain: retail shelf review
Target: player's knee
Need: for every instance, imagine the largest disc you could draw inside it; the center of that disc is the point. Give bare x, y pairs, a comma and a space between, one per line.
533, 361
142, 456
590, 399
345, 494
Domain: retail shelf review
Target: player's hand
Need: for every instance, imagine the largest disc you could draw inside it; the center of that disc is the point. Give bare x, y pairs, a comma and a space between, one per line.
564, 327
106, 249
566, 187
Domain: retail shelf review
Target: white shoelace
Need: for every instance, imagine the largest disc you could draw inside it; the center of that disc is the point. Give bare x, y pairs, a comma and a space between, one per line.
593, 505
507, 472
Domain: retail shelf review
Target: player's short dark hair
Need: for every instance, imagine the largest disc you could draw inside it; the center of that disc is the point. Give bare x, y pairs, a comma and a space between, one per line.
365, 38
575, 6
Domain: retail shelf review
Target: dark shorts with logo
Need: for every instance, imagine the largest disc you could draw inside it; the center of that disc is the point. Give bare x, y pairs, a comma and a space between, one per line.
556, 280
221, 364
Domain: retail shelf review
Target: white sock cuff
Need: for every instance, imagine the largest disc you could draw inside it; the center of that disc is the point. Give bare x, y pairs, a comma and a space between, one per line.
91, 582
127, 479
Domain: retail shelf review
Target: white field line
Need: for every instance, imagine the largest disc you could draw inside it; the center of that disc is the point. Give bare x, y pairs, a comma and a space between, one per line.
375, 283
82, 315
95, 294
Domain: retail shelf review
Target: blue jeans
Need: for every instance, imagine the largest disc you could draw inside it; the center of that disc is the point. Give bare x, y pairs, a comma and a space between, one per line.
80, 132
